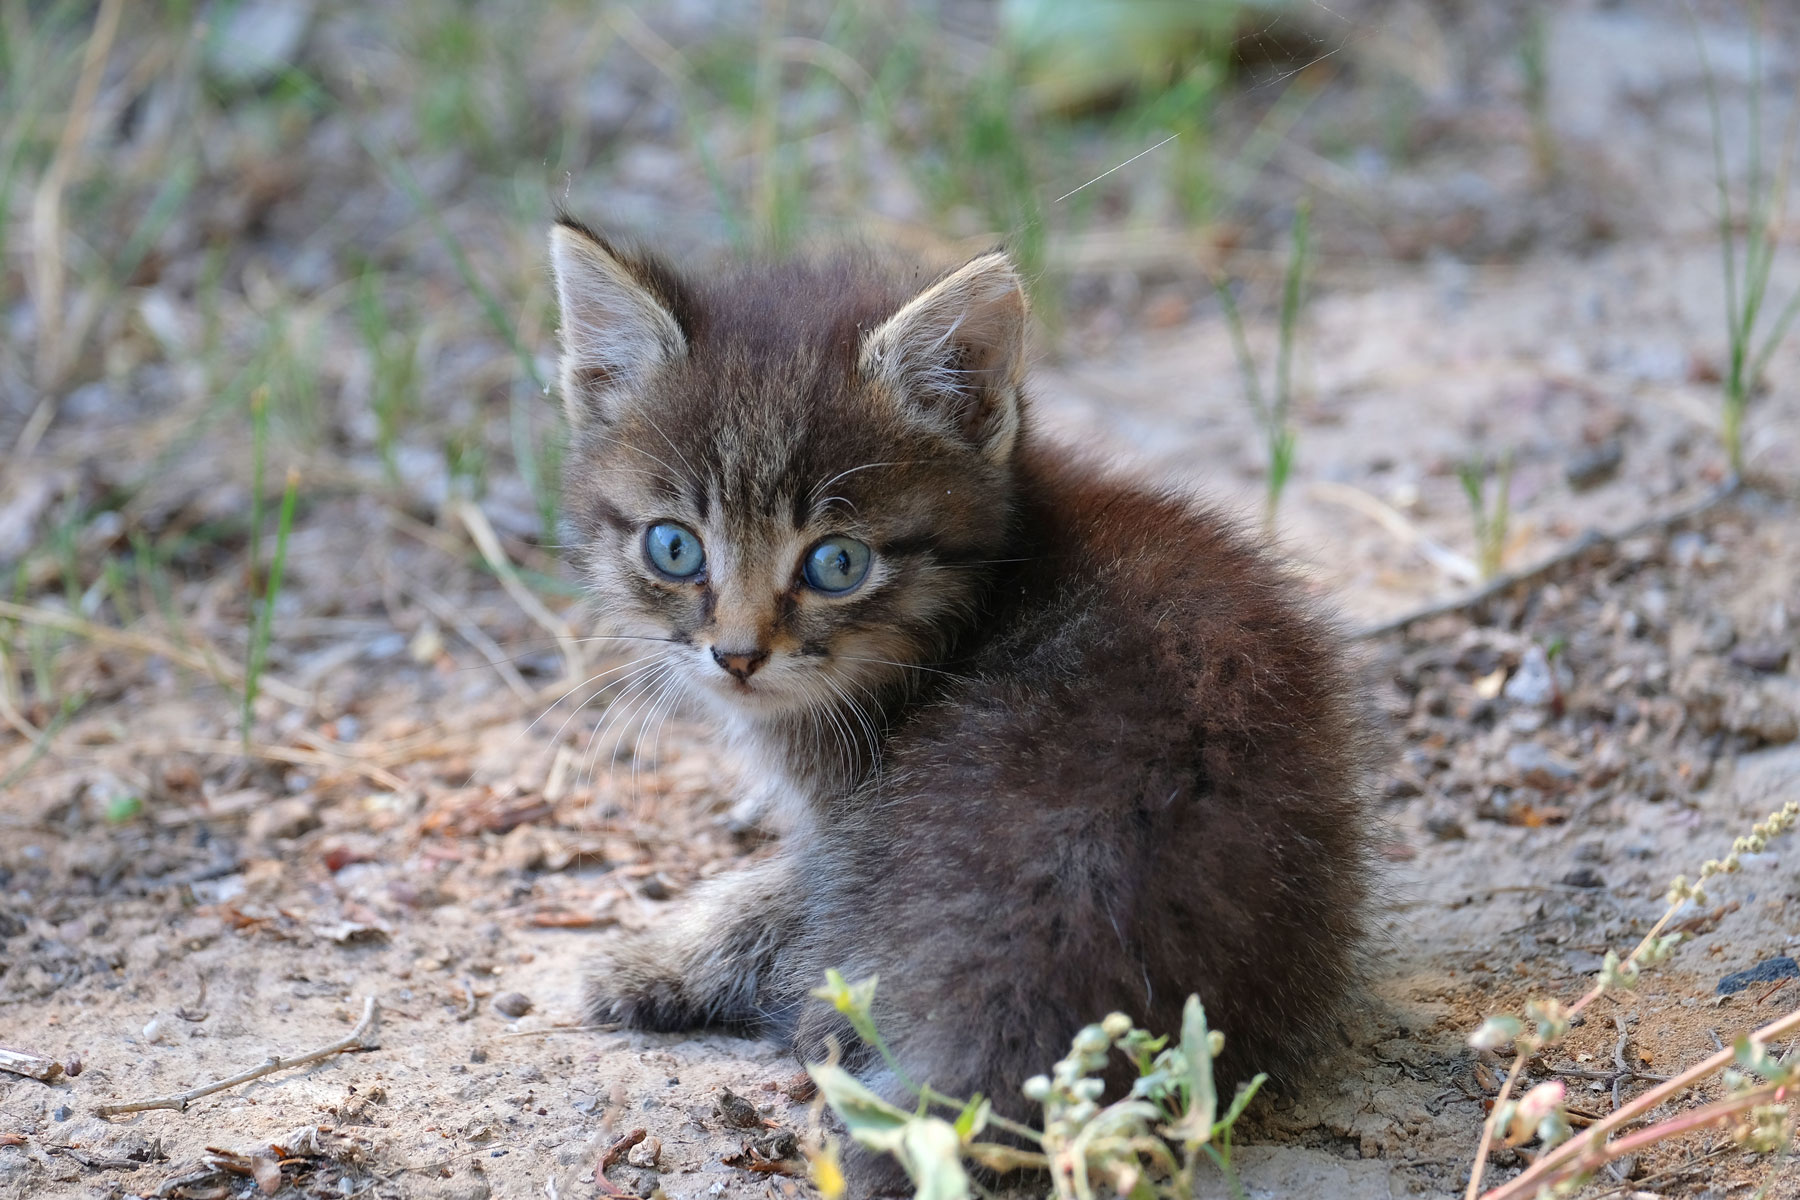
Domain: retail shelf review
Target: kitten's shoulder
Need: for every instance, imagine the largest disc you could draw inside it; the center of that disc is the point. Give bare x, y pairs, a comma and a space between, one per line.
1165, 586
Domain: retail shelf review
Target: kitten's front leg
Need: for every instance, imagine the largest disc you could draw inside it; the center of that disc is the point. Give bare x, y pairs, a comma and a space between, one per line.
710, 963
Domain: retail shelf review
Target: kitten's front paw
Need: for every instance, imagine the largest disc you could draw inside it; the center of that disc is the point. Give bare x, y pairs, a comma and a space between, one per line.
628, 986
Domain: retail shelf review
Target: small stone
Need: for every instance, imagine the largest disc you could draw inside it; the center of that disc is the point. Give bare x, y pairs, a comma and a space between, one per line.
1583, 877
646, 1154
478, 1055
1534, 683
1767, 658
655, 888
512, 1004
777, 1144
280, 820
1595, 465
1717, 633
61, 1112
1537, 767
738, 1112
1769, 712
1769, 970
1445, 828
799, 1087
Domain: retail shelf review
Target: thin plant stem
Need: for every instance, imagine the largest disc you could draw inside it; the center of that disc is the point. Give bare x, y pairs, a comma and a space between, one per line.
259, 637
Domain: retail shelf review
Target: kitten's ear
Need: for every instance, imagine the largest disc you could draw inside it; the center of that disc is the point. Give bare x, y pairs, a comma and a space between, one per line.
955, 354
619, 322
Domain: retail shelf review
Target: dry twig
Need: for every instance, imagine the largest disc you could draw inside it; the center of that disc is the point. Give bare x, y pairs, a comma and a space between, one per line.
359, 1038
613, 1154
1568, 554
23, 1062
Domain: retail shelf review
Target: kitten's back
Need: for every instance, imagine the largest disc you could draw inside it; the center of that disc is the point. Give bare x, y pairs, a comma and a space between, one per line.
1148, 782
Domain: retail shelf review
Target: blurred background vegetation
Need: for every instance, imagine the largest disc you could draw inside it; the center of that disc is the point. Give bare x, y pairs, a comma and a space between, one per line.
345, 204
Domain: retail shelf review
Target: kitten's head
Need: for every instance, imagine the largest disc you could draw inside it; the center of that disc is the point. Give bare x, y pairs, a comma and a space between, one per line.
798, 475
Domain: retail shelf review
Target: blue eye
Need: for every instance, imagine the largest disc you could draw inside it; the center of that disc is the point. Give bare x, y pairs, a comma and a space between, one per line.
675, 550
837, 564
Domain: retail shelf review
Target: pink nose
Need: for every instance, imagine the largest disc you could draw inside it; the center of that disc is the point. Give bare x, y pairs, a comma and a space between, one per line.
741, 663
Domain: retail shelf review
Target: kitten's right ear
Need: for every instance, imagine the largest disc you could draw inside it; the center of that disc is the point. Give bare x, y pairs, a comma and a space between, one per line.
619, 324
955, 353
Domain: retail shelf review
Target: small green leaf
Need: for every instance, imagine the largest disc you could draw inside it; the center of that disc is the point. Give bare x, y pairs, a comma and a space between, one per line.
855, 1001
973, 1118
1195, 1127
871, 1120
1246, 1092
932, 1154
121, 809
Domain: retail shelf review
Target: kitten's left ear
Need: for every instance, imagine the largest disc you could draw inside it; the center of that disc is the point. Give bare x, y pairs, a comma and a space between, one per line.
619, 321
955, 354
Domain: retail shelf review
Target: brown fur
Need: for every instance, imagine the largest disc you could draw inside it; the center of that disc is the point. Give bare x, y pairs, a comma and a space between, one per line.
1116, 758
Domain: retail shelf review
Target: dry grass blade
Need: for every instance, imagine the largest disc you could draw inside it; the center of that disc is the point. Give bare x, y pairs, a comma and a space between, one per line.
47, 207
1452, 564
293, 755
441, 608
488, 542
143, 643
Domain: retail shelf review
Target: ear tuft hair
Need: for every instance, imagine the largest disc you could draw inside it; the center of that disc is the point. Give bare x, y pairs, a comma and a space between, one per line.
619, 321
955, 353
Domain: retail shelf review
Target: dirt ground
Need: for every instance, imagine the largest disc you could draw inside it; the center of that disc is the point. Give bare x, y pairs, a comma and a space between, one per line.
432, 815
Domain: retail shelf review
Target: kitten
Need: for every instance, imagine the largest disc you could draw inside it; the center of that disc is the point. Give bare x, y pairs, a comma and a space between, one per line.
1045, 743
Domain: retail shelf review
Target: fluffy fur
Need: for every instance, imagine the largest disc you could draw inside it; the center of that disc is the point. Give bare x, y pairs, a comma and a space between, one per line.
1074, 746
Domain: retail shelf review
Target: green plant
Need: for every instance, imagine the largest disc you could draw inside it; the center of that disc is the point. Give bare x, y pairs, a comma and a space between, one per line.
1491, 519
1274, 416
393, 368
258, 654
1747, 281
1758, 1108
1534, 67
1146, 1145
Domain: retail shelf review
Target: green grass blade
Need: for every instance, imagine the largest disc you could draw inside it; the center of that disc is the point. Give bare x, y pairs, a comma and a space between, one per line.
1291, 299
259, 636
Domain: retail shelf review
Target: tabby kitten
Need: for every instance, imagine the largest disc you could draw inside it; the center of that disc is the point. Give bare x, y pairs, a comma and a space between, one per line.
1043, 742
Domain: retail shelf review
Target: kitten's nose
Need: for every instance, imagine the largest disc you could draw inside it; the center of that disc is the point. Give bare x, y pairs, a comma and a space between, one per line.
741, 663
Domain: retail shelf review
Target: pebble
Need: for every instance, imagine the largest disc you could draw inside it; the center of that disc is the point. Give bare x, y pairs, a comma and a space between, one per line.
1537, 767
282, 819
1595, 465
738, 1112
646, 1154
1583, 877
1717, 633
1768, 658
1770, 712
1769, 970
1534, 683
512, 1004
1445, 828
